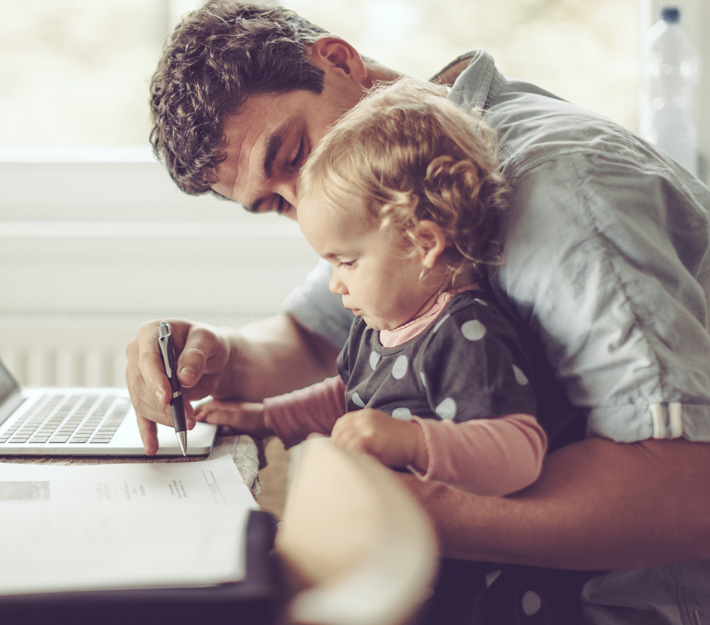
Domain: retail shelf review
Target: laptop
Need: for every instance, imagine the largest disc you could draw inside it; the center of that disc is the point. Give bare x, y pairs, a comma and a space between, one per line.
81, 421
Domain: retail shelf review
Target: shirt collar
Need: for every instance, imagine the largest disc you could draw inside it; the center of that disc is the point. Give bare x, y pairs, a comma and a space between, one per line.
477, 83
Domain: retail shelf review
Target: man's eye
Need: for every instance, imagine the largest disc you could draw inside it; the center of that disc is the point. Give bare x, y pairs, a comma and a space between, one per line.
281, 206
297, 160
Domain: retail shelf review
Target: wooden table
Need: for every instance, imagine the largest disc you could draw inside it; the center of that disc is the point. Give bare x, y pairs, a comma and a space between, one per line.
247, 455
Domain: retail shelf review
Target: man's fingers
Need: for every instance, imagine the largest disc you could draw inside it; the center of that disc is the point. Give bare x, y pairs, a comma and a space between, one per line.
146, 405
197, 349
145, 372
191, 365
189, 415
149, 435
153, 370
145, 400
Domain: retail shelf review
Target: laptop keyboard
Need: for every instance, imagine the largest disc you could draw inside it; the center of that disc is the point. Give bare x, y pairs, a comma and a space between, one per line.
91, 418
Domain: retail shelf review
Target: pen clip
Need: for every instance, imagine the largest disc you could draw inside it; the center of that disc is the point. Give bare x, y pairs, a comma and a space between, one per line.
166, 350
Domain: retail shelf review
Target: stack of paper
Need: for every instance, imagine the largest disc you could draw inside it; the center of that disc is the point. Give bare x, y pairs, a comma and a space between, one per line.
121, 525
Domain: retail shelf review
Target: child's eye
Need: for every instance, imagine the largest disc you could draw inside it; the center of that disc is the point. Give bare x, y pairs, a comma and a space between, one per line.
346, 263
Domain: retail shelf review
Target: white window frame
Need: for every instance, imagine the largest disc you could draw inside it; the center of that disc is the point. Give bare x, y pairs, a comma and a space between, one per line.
107, 231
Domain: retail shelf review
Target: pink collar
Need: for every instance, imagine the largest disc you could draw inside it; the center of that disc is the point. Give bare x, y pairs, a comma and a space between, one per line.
413, 328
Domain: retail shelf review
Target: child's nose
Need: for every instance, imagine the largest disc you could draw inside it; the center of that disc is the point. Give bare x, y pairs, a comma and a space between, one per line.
336, 286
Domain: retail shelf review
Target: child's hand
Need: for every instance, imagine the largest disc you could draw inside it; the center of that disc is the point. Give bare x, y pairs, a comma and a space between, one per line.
242, 417
393, 442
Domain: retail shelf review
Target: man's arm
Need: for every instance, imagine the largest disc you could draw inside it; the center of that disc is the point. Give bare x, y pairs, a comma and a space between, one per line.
598, 505
274, 356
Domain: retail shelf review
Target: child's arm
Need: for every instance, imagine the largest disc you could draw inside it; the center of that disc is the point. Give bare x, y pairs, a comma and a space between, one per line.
393, 442
242, 417
483, 456
316, 408
291, 417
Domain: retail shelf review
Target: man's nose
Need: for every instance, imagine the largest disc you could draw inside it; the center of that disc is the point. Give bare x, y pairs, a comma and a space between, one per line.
287, 189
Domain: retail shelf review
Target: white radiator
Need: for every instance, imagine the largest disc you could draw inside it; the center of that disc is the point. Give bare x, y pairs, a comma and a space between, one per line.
76, 350
50, 365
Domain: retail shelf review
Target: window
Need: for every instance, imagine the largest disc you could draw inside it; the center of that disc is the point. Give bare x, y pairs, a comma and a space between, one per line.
91, 225
562, 45
75, 72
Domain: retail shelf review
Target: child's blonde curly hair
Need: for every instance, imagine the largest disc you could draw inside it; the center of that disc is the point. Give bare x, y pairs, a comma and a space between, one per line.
409, 154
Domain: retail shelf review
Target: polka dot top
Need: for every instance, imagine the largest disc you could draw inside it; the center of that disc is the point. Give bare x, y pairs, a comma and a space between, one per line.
466, 365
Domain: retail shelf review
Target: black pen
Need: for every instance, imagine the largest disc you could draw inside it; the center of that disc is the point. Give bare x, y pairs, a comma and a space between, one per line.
177, 407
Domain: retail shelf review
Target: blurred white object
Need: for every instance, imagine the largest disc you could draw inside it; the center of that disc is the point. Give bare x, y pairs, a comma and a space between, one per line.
670, 72
357, 547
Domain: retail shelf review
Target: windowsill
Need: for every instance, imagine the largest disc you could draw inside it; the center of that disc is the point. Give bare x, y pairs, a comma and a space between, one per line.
108, 231
78, 155
111, 185
81, 229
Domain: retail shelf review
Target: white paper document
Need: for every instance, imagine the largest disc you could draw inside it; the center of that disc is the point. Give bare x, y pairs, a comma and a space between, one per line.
127, 525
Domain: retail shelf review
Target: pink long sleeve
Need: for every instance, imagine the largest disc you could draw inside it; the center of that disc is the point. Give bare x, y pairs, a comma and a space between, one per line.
484, 456
316, 408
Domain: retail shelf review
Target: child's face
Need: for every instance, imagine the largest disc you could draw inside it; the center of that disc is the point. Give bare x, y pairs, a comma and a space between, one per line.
378, 278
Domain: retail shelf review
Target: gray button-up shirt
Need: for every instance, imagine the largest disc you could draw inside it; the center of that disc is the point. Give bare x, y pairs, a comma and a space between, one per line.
606, 262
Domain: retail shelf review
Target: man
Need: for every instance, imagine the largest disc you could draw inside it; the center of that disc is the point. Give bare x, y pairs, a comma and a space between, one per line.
607, 272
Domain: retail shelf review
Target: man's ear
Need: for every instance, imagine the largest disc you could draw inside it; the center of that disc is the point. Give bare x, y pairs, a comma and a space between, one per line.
432, 240
333, 53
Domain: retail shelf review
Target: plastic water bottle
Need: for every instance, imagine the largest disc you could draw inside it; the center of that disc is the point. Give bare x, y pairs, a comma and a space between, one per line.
670, 70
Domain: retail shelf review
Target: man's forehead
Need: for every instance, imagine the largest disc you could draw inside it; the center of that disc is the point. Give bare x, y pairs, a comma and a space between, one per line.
259, 115
243, 142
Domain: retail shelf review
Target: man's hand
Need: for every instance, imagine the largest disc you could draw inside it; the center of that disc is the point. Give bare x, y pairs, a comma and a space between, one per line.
393, 442
243, 417
201, 357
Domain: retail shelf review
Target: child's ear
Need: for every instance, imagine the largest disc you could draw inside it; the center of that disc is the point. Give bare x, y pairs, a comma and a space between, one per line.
432, 240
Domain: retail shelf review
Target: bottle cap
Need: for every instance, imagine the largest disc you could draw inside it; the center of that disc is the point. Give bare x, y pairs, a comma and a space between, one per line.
670, 14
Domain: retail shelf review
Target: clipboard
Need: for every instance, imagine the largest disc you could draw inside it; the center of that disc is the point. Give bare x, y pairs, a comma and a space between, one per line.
256, 600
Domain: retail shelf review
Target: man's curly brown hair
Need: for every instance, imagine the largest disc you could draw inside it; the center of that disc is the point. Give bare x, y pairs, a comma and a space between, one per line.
217, 56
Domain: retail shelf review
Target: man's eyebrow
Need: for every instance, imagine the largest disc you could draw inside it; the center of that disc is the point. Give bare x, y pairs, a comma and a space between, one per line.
273, 145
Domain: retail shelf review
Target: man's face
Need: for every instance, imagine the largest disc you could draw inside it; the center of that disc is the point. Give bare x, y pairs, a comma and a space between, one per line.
270, 138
